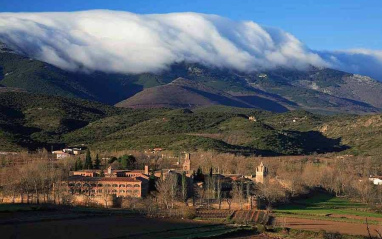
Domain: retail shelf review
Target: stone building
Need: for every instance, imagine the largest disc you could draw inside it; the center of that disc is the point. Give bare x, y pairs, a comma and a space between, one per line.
186, 167
261, 173
98, 187
115, 182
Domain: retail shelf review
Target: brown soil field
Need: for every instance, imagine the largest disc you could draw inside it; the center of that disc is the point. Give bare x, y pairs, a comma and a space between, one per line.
79, 225
331, 226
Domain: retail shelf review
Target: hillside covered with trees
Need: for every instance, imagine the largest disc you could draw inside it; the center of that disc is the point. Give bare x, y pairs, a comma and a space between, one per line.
30, 121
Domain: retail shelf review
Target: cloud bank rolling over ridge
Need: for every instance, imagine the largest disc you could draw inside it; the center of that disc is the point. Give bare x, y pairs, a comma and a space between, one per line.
123, 42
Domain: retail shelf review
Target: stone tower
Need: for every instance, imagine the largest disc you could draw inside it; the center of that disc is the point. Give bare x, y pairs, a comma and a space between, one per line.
261, 173
187, 163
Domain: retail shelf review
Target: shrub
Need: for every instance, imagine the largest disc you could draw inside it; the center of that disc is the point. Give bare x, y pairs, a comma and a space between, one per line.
261, 228
189, 213
331, 235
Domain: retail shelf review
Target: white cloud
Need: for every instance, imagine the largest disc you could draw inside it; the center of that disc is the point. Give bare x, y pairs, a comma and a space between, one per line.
359, 61
124, 42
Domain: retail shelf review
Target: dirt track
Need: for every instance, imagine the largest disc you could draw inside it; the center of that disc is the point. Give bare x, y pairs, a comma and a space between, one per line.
331, 226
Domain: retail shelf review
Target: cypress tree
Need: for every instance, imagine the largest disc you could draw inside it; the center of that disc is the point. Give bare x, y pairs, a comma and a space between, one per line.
78, 165
184, 187
75, 166
152, 181
97, 162
88, 160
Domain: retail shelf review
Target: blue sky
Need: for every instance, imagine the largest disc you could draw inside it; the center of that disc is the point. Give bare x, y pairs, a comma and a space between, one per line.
321, 24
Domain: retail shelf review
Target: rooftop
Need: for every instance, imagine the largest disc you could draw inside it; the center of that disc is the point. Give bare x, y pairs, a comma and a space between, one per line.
118, 179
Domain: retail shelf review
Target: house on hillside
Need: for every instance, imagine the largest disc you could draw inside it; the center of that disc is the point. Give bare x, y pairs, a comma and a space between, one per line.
377, 180
252, 118
60, 154
74, 150
69, 151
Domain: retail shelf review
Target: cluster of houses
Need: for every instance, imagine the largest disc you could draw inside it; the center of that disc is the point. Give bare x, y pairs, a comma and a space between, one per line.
69, 151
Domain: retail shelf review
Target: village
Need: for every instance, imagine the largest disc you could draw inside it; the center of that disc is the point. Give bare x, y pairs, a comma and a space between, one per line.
205, 185
108, 186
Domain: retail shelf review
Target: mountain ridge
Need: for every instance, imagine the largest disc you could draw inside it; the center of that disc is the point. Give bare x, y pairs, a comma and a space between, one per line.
319, 90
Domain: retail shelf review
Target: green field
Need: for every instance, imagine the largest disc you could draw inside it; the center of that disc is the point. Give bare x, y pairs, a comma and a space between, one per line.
327, 207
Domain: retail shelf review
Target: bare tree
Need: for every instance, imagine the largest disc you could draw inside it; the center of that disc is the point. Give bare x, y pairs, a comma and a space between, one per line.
167, 190
219, 191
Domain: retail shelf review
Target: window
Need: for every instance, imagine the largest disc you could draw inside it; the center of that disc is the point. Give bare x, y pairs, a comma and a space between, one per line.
115, 185
86, 185
128, 191
128, 185
99, 191
137, 185
93, 191
122, 191
78, 184
107, 185
114, 191
71, 184
100, 185
136, 191
94, 185
122, 185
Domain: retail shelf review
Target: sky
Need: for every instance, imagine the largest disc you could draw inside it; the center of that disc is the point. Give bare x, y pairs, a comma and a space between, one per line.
149, 36
322, 25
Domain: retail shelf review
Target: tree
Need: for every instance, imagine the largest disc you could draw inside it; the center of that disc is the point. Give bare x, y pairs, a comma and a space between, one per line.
127, 161
199, 175
167, 190
228, 198
124, 163
237, 194
152, 181
88, 160
78, 165
219, 191
97, 162
184, 187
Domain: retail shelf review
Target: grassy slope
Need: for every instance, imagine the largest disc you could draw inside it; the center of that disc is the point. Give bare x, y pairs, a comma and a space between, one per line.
327, 207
